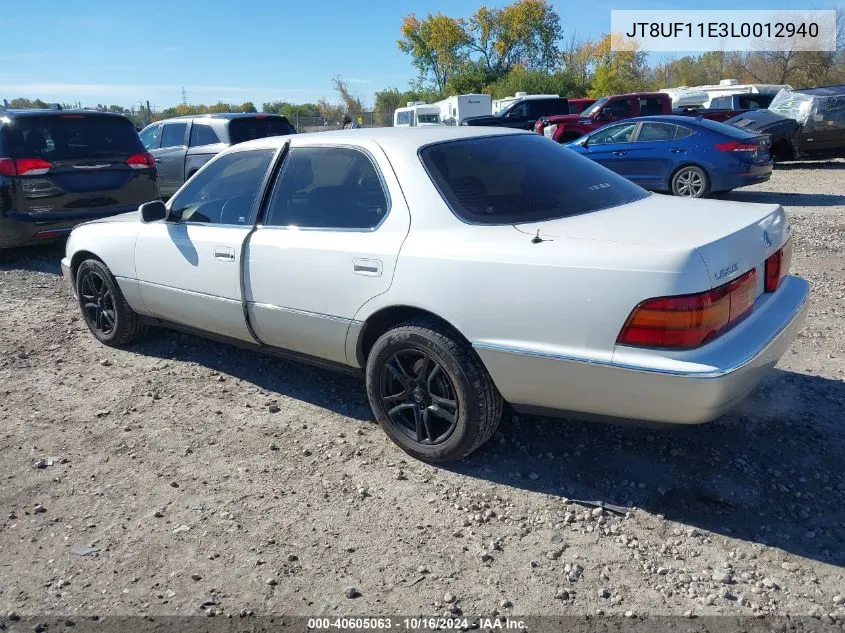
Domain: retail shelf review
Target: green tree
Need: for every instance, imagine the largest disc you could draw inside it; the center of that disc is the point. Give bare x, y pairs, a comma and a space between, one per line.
619, 71
436, 44
524, 33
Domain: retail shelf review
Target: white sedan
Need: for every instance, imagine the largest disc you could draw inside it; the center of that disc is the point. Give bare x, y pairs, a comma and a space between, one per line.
457, 269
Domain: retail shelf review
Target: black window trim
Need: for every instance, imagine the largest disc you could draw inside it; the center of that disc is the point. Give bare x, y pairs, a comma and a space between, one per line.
272, 190
257, 205
448, 205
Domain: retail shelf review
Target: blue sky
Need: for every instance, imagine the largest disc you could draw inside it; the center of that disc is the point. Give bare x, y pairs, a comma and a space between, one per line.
107, 51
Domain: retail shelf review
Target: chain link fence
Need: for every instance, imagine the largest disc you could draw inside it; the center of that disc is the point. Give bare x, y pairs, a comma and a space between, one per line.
322, 124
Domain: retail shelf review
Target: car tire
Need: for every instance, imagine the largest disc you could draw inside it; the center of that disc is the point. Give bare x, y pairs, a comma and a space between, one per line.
430, 391
103, 306
690, 181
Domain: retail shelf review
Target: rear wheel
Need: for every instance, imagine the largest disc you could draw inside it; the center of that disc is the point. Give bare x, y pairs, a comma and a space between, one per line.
690, 182
430, 392
103, 306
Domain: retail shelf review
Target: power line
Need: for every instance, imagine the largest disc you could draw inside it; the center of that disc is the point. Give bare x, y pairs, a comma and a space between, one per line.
184, 96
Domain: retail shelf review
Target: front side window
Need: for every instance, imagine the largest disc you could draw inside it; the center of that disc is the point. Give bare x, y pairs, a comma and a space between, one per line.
328, 187
225, 191
651, 105
173, 134
202, 134
619, 107
519, 111
150, 136
519, 178
613, 134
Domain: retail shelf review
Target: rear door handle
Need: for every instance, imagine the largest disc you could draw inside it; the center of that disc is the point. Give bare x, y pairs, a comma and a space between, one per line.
619, 153
369, 267
224, 253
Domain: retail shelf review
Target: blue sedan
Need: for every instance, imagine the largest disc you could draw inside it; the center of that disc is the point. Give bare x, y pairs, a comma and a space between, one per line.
687, 156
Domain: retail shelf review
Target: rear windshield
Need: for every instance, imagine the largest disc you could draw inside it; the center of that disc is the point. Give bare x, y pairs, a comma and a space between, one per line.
517, 178
249, 128
722, 128
69, 136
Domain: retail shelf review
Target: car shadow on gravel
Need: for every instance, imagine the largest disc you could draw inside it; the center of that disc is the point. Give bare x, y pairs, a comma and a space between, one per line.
336, 392
770, 473
821, 164
40, 258
788, 199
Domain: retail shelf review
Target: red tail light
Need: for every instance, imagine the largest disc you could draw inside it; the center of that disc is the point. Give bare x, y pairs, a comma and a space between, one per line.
689, 321
141, 161
736, 146
777, 266
24, 166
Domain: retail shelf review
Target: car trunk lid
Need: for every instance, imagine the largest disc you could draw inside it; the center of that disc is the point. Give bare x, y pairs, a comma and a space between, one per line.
731, 238
82, 162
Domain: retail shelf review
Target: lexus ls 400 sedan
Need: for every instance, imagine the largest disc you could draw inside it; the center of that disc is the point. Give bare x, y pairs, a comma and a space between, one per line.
456, 269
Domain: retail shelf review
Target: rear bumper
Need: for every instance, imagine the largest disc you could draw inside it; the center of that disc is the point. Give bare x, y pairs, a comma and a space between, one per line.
744, 175
22, 229
678, 388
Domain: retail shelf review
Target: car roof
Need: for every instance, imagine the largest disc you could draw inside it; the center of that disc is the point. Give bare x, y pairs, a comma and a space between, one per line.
31, 112
824, 91
393, 138
663, 118
223, 115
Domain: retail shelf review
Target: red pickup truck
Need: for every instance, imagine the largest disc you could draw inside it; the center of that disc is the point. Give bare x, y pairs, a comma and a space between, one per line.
567, 127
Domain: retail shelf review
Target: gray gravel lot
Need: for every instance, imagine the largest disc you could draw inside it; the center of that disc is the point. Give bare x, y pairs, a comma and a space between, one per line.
157, 480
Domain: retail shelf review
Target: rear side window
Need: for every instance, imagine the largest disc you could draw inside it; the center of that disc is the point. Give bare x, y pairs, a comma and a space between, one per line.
517, 178
544, 107
652, 131
329, 188
249, 128
70, 136
173, 134
202, 134
650, 106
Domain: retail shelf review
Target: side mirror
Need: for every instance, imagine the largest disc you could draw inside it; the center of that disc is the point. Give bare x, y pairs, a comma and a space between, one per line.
153, 211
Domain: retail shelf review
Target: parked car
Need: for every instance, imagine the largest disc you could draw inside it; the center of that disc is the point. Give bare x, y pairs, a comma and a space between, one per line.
807, 123
686, 157
372, 251
567, 128
62, 167
523, 113
184, 144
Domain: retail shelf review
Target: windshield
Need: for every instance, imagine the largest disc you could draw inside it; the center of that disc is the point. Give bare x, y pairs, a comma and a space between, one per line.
793, 105
428, 118
511, 179
249, 128
589, 111
71, 136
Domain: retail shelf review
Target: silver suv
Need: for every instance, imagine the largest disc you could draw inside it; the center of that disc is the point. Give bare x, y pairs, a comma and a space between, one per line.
182, 145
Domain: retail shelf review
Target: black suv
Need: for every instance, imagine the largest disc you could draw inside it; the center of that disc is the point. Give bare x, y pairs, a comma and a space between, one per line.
522, 114
182, 145
62, 167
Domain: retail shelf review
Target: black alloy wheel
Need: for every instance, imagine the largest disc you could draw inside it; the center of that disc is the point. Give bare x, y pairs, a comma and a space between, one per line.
418, 396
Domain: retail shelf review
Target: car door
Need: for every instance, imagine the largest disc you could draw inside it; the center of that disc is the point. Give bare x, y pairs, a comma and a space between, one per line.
652, 154
170, 156
334, 225
188, 266
610, 146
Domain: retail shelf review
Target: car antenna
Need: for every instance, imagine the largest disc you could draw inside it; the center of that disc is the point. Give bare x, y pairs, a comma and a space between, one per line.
536, 239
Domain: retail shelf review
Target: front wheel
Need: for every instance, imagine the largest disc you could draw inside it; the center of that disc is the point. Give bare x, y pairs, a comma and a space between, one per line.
690, 182
431, 393
103, 306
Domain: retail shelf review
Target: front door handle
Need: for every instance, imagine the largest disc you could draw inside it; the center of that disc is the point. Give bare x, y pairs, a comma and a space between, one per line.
619, 153
224, 253
369, 267
677, 151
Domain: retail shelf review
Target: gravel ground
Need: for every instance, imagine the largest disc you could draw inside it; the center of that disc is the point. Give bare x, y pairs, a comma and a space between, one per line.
160, 480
